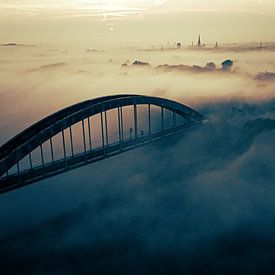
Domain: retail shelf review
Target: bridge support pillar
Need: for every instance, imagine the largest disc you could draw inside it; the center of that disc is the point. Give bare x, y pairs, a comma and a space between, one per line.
102, 132
162, 120
71, 141
106, 128
30, 159
84, 139
119, 126
42, 158
135, 122
64, 149
51, 145
18, 172
18, 169
149, 119
122, 128
90, 134
174, 120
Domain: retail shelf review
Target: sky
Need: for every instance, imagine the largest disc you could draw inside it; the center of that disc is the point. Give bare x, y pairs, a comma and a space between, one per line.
139, 6
125, 22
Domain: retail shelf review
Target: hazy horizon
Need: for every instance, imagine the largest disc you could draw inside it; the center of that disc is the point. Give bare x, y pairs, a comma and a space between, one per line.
139, 23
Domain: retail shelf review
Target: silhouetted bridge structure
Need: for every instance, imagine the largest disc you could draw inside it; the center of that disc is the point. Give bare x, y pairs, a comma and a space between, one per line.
88, 132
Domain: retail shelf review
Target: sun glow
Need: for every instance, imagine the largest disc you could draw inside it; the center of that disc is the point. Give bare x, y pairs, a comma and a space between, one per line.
122, 9
99, 10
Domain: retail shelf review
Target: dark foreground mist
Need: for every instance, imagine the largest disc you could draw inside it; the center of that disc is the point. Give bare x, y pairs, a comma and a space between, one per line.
202, 203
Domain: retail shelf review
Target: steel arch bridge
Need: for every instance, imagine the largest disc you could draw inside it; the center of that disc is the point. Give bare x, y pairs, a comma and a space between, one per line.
87, 132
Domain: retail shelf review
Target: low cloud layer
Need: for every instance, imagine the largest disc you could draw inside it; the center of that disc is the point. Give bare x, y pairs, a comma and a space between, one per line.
266, 76
201, 202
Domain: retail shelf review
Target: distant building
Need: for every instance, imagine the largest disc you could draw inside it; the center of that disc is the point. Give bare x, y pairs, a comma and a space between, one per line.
216, 45
227, 64
140, 63
210, 66
178, 45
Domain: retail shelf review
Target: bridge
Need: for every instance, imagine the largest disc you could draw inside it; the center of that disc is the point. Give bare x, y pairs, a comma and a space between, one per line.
88, 132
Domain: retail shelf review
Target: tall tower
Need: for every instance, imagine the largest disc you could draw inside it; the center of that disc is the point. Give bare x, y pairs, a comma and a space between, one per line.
199, 41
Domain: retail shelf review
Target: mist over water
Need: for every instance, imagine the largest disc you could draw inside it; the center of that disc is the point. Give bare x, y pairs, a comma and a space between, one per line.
201, 202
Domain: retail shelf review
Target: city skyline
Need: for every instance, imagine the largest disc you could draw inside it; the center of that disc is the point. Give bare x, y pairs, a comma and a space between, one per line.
122, 22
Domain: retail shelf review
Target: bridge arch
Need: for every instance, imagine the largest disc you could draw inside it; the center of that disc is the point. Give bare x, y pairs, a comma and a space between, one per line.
33, 137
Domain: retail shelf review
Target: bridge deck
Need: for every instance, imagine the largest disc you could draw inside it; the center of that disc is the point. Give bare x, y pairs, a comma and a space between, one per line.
38, 173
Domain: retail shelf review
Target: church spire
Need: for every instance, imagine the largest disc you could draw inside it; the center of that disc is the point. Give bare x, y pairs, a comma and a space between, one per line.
199, 41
